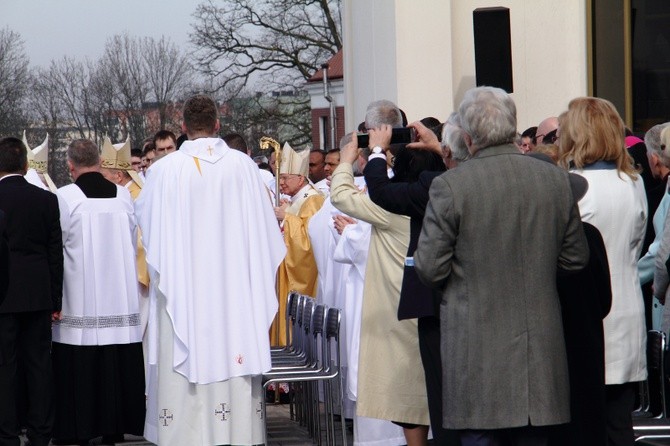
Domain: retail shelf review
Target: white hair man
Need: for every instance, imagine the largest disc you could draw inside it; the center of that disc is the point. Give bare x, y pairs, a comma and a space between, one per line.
380, 113
298, 271
495, 231
657, 141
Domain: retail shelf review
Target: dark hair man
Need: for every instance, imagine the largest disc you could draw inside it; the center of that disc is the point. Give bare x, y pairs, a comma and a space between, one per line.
33, 298
165, 142
237, 142
219, 219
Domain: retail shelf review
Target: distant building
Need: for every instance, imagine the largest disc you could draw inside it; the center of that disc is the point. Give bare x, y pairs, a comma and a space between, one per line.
321, 126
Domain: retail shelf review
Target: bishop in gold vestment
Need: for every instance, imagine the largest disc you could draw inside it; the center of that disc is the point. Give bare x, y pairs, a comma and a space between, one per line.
298, 270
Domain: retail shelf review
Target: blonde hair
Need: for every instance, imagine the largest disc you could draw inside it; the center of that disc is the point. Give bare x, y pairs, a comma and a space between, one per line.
551, 150
592, 130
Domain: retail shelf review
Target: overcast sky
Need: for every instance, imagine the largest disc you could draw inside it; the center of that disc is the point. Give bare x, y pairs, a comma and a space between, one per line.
52, 29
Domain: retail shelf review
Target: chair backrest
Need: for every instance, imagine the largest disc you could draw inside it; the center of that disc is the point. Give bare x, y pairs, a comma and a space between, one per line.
333, 323
318, 320
297, 332
331, 339
291, 309
307, 314
656, 372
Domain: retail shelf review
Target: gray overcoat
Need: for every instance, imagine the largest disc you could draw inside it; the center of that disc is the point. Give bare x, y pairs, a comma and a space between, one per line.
496, 229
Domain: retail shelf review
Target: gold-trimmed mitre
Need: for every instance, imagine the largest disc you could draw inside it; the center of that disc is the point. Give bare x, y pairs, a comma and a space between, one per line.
38, 159
117, 156
294, 163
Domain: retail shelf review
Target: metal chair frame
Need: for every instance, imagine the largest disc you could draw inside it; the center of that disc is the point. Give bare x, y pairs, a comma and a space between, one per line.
323, 370
651, 422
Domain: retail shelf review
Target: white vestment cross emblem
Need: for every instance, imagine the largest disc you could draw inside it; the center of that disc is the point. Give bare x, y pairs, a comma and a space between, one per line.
221, 411
165, 417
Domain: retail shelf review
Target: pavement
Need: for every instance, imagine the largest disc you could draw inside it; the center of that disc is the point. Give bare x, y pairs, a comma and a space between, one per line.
281, 431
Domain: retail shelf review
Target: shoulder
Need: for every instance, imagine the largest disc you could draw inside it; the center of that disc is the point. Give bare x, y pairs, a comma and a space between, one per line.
123, 193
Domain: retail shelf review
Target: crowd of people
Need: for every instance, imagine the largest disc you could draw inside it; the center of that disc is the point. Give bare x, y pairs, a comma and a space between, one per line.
496, 285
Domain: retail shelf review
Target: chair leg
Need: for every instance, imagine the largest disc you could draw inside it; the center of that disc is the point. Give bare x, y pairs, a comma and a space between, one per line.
330, 415
343, 423
291, 397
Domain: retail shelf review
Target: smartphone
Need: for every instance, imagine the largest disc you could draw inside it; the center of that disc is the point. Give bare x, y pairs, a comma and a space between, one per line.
399, 135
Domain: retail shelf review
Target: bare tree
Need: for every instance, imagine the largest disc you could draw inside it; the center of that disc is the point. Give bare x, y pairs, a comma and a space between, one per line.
14, 82
106, 112
287, 40
123, 62
167, 72
71, 80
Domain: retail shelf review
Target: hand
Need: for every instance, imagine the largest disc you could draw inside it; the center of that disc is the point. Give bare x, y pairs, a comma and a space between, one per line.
56, 316
380, 137
280, 211
341, 221
349, 153
426, 138
661, 299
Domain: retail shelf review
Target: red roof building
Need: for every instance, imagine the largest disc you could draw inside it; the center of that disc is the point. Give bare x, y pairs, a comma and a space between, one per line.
322, 121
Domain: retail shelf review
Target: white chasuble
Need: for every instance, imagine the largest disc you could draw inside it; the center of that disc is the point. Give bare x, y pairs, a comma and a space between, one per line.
183, 413
100, 291
213, 247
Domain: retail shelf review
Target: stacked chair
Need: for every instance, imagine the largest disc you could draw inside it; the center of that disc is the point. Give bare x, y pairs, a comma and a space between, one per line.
650, 422
310, 362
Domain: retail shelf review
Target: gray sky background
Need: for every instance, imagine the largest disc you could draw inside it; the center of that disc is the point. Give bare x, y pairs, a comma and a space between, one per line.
52, 29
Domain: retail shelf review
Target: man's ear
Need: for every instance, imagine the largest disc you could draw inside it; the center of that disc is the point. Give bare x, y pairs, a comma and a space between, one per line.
468, 141
183, 128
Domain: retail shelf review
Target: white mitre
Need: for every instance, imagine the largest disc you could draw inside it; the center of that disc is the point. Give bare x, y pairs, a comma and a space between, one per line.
117, 156
294, 163
38, 159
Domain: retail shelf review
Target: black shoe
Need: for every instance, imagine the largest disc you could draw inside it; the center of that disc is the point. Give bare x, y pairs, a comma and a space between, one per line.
69, 441
112, 439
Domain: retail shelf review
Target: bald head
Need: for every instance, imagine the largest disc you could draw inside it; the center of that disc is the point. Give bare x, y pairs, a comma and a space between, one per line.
544, 128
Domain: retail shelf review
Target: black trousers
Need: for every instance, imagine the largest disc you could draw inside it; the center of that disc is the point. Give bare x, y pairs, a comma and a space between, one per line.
26, 337
620, 405
518, 436
429, 346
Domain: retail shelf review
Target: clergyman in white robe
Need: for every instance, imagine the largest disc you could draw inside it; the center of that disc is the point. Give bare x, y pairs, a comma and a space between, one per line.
213, 247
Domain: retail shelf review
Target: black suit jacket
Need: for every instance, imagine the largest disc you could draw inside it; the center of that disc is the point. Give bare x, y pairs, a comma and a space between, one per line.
586, 298
35, 247
416, 299
4, 257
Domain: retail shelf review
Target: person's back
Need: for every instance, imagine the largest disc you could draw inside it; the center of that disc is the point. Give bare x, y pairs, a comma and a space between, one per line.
97, 350
31, 229
206, 225
503, 270
32, 275
496, 230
